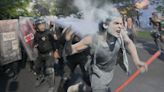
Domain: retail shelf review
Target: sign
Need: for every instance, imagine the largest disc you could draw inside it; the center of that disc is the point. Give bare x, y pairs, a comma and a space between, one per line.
9, 42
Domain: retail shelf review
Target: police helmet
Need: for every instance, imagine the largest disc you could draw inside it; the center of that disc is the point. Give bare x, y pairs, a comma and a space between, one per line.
38, 21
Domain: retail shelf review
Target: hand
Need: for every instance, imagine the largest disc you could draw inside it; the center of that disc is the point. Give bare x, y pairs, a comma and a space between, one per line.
35, 46
143, 66
56, 54
124, 28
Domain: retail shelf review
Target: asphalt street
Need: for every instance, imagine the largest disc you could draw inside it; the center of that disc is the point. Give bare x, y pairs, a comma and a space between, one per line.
151, 81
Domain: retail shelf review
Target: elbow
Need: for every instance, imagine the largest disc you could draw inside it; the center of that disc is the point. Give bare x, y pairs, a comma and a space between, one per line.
131, 45
130, 42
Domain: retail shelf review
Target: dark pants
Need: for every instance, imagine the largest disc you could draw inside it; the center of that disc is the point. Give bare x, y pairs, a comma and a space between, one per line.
69, 68
44, 65
74, 61
44, 61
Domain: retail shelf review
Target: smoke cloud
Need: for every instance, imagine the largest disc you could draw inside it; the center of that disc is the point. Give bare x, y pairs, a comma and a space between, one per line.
96, 10
93, 12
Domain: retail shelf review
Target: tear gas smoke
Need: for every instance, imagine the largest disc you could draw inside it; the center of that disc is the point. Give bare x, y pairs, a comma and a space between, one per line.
96, 10
93, 12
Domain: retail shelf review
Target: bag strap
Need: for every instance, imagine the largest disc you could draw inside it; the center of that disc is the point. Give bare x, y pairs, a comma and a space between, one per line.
125, 58
96, 49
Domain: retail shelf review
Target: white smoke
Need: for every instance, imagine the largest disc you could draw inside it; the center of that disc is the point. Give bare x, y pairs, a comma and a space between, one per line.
96, 10
93, 12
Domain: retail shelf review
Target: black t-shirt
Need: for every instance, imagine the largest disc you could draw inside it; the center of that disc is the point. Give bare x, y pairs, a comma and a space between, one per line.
45, 41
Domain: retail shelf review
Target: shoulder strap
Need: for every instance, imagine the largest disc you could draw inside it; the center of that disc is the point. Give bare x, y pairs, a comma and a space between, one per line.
125, 58
96, 49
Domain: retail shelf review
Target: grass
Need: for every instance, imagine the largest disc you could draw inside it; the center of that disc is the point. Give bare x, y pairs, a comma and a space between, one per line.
144, 34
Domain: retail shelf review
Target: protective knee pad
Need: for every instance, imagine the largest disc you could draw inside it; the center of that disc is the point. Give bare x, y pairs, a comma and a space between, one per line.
50, 76
50, 70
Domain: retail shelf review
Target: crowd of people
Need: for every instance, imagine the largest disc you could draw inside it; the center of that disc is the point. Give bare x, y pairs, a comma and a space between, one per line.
60, 51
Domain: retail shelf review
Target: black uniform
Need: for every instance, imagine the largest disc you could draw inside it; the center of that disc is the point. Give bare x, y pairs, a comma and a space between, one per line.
45, 61
68, 63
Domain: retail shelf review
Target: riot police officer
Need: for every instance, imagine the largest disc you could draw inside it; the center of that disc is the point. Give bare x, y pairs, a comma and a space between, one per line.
45, 44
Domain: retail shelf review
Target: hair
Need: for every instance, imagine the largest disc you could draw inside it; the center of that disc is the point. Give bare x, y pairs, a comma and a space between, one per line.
102, 23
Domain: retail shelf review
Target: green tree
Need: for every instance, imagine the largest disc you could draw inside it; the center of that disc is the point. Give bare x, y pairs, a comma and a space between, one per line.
13, 8
160, 8
66, 7
44, 7
122, 1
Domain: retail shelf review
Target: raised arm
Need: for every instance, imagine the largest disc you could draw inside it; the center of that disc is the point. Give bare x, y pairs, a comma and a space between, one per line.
82, 45
78, 47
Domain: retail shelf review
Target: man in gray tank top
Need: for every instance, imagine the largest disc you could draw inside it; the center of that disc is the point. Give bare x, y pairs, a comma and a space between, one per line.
104, 47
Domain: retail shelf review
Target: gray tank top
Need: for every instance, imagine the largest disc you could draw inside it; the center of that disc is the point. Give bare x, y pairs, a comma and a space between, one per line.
105, 53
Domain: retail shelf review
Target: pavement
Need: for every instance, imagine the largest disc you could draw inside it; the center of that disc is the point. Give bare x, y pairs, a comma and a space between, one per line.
150, 81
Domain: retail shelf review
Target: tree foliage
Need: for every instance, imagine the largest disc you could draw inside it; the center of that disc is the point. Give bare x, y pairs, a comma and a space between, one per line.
65, 7
160, 9
44, 7
13, 8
